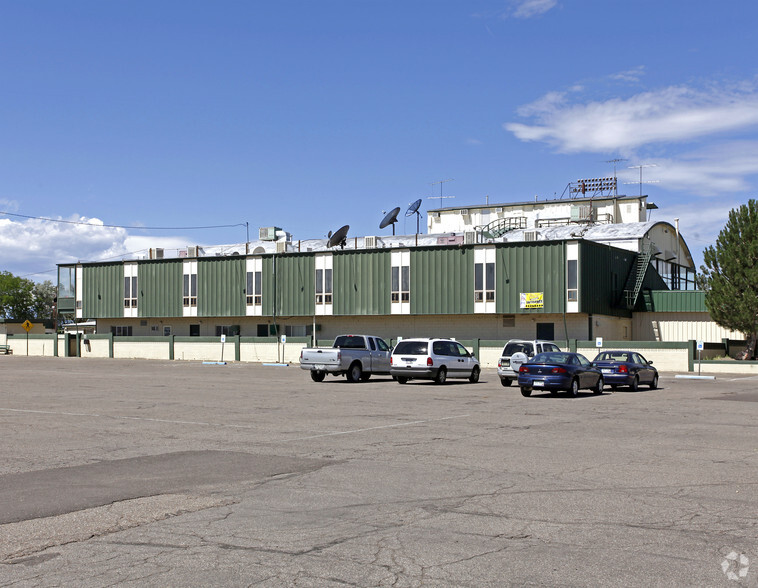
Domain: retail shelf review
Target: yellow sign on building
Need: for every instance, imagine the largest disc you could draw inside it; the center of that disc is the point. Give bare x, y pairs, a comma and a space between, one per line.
532, 300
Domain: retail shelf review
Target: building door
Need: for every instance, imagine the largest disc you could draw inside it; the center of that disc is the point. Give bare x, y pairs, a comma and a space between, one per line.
546, 331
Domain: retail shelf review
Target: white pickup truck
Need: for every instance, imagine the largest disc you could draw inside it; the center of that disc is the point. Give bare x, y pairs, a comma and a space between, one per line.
355, 356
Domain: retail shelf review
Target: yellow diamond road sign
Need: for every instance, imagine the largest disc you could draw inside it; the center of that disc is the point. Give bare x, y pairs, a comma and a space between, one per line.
27, 326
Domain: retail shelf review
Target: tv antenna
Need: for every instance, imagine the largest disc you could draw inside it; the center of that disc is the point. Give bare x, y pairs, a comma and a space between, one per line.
615, 181
644, 165
339, 237
440, 183
390, 219
413, 209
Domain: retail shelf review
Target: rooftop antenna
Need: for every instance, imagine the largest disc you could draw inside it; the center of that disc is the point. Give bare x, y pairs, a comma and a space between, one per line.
644, 165
413, 209
615, 182
440, 183
390, 219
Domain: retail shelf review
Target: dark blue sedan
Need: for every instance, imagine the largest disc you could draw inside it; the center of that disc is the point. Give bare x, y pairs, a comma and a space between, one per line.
556, 371
626, 368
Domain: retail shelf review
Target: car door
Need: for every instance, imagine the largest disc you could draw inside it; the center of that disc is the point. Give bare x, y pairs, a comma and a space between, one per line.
588, 377
465, 360
381, 357
644, 369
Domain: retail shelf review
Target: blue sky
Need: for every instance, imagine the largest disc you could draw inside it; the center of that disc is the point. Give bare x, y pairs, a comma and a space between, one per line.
310, 115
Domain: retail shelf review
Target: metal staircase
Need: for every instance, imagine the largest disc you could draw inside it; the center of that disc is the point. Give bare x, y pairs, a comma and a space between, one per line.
500, 226
637, 277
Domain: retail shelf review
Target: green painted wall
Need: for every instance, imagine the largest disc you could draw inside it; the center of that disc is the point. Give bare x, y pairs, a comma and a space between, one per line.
530, 267
442, 280
295, 285
103, 290
676, 301
221, 286
603, 272
160, 286
361, 283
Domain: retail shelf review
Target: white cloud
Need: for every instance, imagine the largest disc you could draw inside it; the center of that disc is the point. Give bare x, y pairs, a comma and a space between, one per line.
532, 8
718, 169
670, 115
33, 247
633, 74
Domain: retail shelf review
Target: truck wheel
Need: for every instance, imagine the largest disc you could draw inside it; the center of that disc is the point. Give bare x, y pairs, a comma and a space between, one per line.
354, 373
318, 376
365, 377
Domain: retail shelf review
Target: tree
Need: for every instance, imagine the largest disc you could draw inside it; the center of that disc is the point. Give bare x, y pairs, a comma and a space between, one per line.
16, 298
44, 300
731, 272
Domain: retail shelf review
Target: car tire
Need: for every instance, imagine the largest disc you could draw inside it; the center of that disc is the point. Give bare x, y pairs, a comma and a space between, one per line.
474, 377
654, 383
365, 377
574, 390
598, 389
354, 373
441, 376
401, 380
635, 385
506, 381
526, 391
317, 376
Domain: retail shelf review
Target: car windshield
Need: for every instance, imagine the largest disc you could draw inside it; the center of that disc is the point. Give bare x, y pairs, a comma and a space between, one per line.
517, 347
612, 356
411, 348
562, 358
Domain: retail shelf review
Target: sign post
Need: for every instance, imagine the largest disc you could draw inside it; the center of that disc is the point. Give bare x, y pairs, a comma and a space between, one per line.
223, 340
27, 327
700, 346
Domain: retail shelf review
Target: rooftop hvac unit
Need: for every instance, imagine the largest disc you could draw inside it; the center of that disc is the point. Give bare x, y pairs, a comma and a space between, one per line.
499, 209
530, 235
369, 242
268, 233
469, 237
464, 211
281, 246
581, 213
156, 253
192, 251
435, 215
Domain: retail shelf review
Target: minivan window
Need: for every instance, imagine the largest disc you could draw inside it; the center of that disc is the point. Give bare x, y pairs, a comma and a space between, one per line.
441, 348
411, 348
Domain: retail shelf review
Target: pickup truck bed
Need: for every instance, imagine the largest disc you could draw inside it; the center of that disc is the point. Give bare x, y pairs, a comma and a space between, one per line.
355, 356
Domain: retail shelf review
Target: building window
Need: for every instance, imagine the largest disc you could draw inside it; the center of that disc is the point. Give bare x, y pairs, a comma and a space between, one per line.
254, 288
323, 286
122, 331
572, 290
190, 290
130, 292
401, 283
228, 330
484, 282
298, 330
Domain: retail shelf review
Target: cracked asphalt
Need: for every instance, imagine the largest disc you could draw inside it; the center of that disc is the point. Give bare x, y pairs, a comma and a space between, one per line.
145, 473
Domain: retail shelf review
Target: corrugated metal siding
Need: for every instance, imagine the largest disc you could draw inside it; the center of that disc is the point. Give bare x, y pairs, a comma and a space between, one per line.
295, 285
267, 287
679, 326
533, 267
361, 283
678, 301
160, 288
103, 290
603, 273
442, 281
221, 286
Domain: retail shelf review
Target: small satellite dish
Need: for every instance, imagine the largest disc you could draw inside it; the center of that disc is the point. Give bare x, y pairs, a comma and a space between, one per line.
390, 219
259, 251
413, 208
339, 237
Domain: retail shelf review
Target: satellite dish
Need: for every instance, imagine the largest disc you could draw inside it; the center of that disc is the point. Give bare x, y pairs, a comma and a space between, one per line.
339, 237
259, 251
390, 219
413, 208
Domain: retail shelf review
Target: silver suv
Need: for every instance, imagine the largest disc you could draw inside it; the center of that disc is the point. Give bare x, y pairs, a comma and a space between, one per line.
517, 352
432, 359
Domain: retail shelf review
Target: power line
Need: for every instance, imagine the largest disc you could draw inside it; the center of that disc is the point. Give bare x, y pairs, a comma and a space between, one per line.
52, 220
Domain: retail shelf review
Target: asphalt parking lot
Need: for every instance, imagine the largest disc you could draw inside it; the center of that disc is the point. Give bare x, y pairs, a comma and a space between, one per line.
184, 474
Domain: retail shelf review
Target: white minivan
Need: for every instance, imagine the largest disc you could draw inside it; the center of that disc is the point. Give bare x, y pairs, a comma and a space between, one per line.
432, 359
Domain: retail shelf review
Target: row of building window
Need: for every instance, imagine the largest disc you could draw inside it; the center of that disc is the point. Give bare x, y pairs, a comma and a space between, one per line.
262, 330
